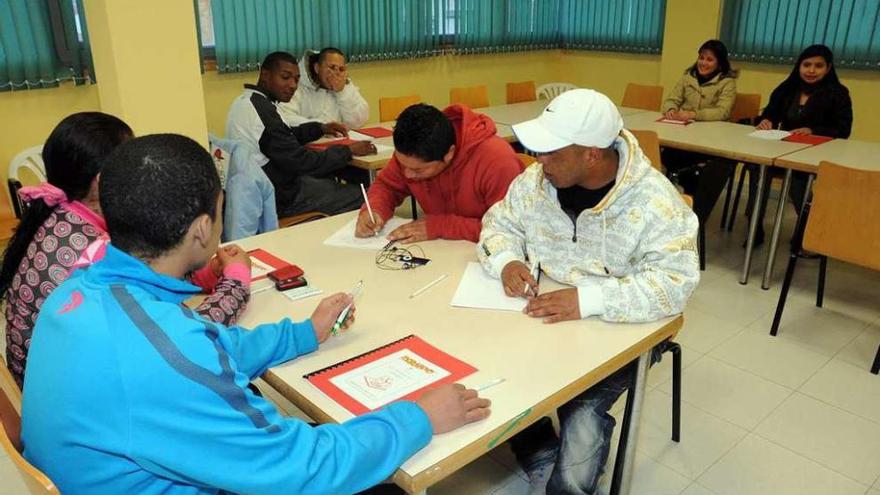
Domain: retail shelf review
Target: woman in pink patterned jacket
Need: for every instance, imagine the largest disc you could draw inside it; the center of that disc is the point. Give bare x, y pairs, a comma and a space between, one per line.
62, 229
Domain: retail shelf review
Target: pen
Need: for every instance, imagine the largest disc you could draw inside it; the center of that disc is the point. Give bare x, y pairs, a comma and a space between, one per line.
489, 384
369, 208
535, 272
340, 320
432, 284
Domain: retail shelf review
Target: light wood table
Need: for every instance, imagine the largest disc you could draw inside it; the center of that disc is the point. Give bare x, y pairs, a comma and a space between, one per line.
544, 366
724, 140
514, 113
848, 152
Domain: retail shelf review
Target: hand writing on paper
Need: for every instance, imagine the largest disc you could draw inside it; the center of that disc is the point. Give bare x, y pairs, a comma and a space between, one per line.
804, 131
556, 306
409, 233
361, 148
452, 406
366, 227
764, 125
518, 281
326, 313
334, 129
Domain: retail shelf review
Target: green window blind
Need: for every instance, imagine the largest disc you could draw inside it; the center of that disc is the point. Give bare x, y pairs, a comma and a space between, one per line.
244, 32
42, 43
776, 31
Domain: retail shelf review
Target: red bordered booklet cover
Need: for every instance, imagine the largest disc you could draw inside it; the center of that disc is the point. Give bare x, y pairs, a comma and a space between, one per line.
326, 144
807, 139
401, 370
665, 120
376, 132
263, 262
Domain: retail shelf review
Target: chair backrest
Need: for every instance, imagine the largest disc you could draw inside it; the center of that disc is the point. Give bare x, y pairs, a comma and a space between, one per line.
472, 96
526, 160
10, 436
390, 108
30, 160
845, 202
650, 144
552, 90
642, 96
521, 91
746, 107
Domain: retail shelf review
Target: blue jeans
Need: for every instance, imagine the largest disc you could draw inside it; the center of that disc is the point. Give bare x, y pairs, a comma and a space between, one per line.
585, 429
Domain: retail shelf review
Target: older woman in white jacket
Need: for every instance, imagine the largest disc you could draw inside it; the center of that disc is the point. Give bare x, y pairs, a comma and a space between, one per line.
325, 92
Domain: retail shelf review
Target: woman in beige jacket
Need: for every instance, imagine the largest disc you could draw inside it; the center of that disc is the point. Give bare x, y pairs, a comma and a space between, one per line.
706, 91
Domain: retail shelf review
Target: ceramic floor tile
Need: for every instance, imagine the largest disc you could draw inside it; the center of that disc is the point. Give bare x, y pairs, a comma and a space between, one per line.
830, 436
703, 331
504, 456
848, 387
484, 475
697, 489
775, 359
516, 486
860, 352
649, 478
759, 467
704, 437
728, 392
823, 330
732, 302
11, 483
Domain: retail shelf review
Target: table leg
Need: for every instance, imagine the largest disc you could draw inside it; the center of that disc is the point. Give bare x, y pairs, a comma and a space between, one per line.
777, 226
371, 174
753, 225
629, 430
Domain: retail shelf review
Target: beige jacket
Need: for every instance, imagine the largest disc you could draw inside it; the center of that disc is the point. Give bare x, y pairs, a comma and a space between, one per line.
712, 101
632, 257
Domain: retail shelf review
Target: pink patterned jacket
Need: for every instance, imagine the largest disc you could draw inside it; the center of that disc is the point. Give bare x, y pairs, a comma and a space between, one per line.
73, 237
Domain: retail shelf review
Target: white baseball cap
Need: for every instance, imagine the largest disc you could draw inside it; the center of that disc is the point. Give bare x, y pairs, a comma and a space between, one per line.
580, 116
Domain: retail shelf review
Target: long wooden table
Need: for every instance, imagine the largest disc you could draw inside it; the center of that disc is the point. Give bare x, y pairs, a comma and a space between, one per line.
544, 366
724, 140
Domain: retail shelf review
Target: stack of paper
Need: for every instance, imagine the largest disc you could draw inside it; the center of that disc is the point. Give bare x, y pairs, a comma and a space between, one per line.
478, 290
771, 134
344, 237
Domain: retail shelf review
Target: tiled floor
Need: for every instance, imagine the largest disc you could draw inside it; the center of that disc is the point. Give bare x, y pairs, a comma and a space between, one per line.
796, 414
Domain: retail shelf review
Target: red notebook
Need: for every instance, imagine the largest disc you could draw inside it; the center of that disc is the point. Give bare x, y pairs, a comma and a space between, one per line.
807, 139
263, 262
376, 132
326, 144
401, 370
665, 120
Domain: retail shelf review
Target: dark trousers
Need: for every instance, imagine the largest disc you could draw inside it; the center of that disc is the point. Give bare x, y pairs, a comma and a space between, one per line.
325, 194
703, 182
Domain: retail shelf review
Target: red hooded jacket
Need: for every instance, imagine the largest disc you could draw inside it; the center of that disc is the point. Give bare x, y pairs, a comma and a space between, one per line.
455, 200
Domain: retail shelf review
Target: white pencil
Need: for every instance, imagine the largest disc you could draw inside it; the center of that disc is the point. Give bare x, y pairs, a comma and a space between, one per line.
489, 384
432, 284
369, 208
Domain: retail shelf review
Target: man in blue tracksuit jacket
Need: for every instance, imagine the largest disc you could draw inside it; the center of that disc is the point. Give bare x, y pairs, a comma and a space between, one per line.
128, 391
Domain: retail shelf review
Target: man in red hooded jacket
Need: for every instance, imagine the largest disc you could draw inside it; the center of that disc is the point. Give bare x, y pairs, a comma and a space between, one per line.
452, 163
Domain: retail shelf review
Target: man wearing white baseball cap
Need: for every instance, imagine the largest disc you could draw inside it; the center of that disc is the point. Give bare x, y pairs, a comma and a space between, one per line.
594, 214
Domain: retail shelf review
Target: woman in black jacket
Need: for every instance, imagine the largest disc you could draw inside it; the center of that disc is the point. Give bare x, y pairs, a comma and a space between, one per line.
810, 101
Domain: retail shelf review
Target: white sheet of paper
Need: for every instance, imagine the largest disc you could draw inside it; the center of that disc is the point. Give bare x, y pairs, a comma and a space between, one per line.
359, 137
344, 237
389, 378
771, 134
478, 290
382, 148
259, 269
303, 292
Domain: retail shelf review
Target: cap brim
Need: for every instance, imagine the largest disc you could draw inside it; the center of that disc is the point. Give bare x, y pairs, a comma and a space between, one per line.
535, 137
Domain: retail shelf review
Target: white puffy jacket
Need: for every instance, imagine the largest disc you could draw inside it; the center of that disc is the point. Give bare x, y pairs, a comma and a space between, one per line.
311, 102
632, 257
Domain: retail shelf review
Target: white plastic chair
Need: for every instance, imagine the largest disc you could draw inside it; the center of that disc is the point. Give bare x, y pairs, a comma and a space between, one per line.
30, 159
552, 90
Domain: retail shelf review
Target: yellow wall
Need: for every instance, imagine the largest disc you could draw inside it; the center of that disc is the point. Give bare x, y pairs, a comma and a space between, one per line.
429, 77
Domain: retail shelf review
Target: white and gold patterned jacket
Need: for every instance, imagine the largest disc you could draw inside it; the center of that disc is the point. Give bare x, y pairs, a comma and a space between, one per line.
632, 257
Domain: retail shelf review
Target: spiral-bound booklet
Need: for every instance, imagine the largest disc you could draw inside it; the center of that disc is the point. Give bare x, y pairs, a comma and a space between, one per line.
400, 370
